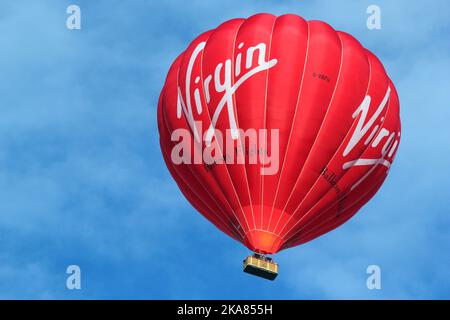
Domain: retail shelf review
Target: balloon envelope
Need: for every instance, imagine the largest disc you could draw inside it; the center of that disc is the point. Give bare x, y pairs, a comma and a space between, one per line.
278, 129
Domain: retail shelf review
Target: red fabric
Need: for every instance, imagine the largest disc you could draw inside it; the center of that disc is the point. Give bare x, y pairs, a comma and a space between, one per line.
336, 110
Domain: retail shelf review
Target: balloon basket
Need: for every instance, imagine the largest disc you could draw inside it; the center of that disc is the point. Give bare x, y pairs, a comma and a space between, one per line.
261, 266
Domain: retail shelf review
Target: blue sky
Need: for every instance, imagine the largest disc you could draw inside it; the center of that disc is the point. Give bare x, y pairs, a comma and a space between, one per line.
82, 180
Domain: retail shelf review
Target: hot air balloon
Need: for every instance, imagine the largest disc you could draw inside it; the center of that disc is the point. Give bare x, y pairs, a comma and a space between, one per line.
277, 130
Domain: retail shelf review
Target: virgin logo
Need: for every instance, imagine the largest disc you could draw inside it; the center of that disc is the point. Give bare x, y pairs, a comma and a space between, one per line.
377, 135
247, 63
222, 82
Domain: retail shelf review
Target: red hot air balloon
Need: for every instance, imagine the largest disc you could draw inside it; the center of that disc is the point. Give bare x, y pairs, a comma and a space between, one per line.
277, 129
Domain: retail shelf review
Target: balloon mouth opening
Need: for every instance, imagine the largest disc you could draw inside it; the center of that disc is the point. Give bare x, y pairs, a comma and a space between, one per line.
263, 242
